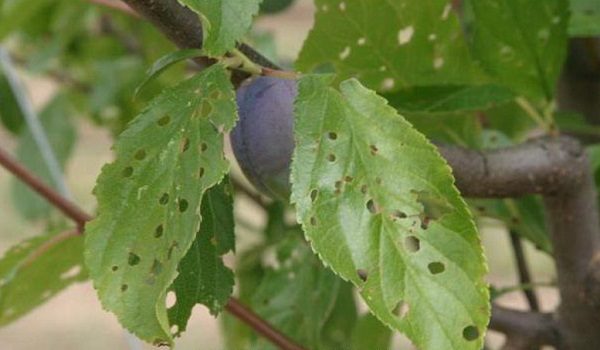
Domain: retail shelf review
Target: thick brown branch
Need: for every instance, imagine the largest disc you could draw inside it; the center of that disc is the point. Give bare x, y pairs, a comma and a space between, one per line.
536, 328
549, 165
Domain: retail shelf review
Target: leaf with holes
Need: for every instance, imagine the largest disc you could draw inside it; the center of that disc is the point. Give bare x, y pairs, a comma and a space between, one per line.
224, 22
389, 44
149, 199
521, 43
37, 269
378, 204
203, 278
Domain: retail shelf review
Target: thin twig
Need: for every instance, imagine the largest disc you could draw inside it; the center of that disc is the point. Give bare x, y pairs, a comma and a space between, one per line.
260, 326
537, 328
60, 202
117, 5
523, 271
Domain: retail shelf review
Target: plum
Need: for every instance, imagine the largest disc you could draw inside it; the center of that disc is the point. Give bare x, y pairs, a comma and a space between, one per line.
263, 139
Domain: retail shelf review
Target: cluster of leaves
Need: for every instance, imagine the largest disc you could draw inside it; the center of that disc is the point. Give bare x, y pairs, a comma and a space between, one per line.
374, 199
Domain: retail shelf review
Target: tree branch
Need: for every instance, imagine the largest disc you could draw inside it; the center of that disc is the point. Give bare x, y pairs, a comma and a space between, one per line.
523, 271
548, 165
534, 327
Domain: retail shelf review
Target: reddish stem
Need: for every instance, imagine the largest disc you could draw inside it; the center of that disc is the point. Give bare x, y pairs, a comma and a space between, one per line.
117, 5
260, 326
63, 204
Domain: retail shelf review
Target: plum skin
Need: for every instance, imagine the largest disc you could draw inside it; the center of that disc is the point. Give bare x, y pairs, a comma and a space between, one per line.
263, 138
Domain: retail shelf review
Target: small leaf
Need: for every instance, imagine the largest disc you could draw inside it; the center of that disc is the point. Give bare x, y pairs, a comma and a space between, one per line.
369, 333
585, 18
439, 100
521, 43
37, 269
164, 63
389, 45
399, 230
149, 199
11, 115
203, 278
225, 22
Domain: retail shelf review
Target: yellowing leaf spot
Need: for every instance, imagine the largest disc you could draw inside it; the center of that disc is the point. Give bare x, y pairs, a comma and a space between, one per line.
342, 6
361, 41
438, 62
446, 12
344, 54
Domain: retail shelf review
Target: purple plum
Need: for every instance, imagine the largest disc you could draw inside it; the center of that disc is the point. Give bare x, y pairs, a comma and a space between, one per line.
263, 139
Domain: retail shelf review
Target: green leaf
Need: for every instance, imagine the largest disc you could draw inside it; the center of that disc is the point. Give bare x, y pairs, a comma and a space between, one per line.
389, 44
203, 278
11, 115
437, 100
585, 18
369, 333
149, 199
225, 22
164, 63
521, 43
378, 204
14, 16
297, 296
55, 118
37, 269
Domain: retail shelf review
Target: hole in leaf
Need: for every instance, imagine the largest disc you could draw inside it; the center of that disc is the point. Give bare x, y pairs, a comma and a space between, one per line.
124, 287
362, 274
374, 149
348, 178
412, 244
115, 268
313, 195
171, 249
434, 206
127, 172
397, 214
313, 221
164, 199
159, 231
424, 221
203, 147
170, 300
156, 267
332, 135
133, 259
436, 267
140, 154
470, 333
331, 157
378, 180
164, 120
364, 189
185, 145
200, 173
338, 187
372, 207
174, 329
401, 309
183, 205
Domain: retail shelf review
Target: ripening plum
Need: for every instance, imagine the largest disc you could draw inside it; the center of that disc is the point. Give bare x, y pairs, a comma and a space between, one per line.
263, 139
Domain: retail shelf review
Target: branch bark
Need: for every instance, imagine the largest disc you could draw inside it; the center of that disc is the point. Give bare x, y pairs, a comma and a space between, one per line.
532, 328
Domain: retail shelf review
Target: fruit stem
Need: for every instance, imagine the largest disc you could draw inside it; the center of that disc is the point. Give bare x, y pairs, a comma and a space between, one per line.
245, 64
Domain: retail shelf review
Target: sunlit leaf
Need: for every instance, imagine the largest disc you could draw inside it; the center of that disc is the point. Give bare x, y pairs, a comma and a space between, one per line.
37, 269
379, 206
